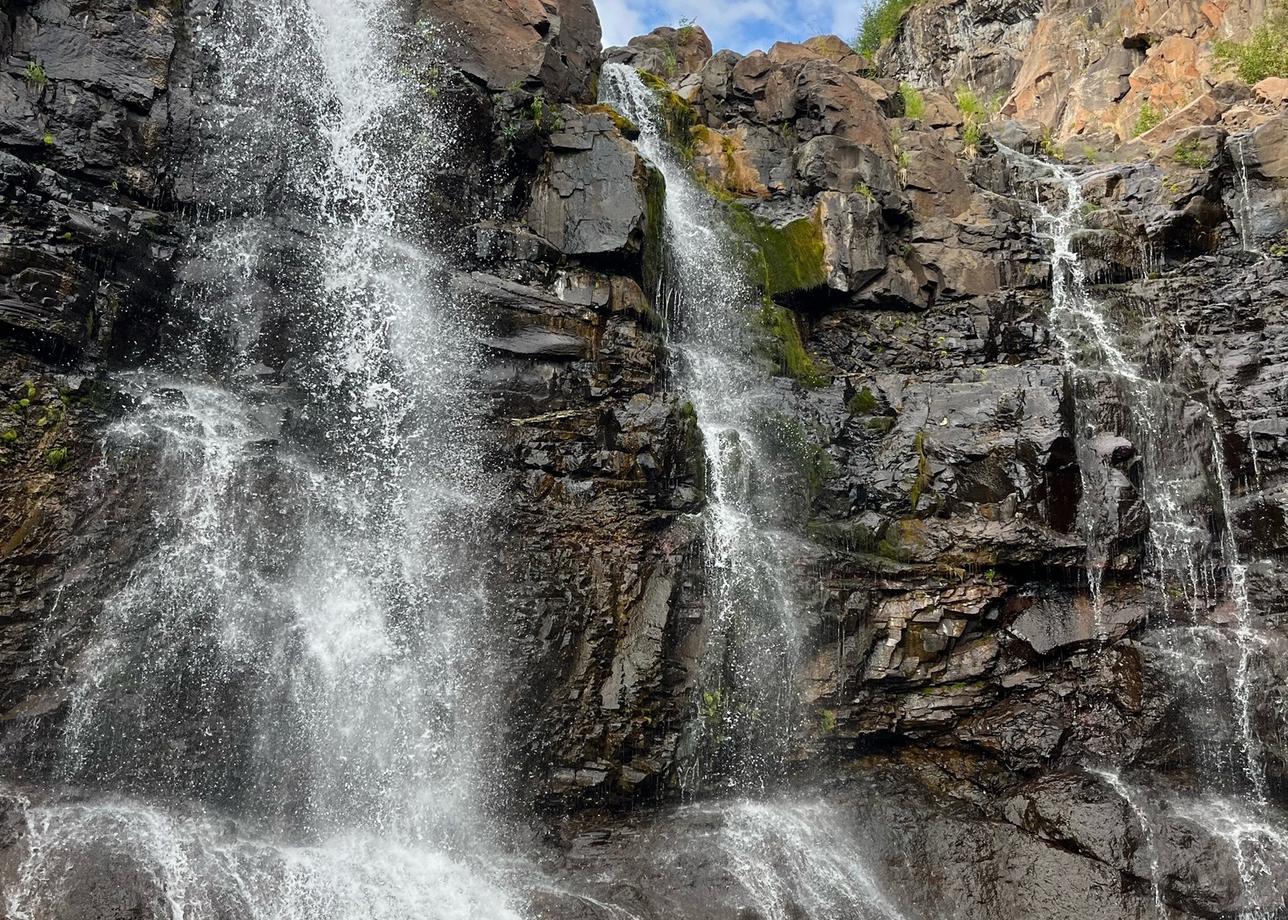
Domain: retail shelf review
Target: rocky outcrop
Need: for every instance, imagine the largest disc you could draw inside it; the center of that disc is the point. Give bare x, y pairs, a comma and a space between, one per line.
1078, 68
592, 195
665, 51
547, 45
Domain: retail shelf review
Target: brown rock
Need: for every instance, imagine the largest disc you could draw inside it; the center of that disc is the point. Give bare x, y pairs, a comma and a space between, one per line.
821, 47
840, 105
665, 51
1273, 90
551, 45
839, 52
1204, 110
1270, 142
725, 160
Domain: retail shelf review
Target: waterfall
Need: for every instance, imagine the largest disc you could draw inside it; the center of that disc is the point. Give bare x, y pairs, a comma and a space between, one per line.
748, 698
1184, 485
1128, 795
278, 715
797, 859
1243, 207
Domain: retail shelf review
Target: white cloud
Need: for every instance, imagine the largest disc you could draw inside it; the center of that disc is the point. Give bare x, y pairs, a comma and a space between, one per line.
621, 21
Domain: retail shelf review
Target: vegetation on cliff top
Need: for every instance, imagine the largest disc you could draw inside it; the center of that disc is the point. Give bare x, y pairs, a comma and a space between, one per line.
1263, 55
880, 23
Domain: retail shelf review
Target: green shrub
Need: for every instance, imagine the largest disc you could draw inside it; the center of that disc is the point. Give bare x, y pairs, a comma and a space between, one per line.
974, 115
1191, 154
35, 75
1148, 118
1050, 149
880, 23
1265, 54
914, 104
56, 457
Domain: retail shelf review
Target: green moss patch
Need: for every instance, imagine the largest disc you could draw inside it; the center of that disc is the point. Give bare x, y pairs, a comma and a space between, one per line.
789, 258
863, 402
786, 345
628, 128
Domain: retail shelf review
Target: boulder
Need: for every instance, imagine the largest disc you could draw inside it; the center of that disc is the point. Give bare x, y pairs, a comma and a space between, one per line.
591, 196
1273, 91
548, 45
670, 53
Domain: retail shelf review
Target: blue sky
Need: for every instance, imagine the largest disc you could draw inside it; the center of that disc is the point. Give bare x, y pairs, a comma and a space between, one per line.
738, 24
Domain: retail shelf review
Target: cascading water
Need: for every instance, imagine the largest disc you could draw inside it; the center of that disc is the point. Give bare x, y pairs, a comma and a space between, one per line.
748, 700
1181, 465
798, 860
1243, 204
276, 716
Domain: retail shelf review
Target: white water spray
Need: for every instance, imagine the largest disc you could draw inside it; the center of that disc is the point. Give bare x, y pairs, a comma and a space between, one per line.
748, 698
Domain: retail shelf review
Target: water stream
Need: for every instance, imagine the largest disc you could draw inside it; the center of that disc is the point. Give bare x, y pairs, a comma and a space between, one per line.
1208, 633
748, 699
277, 715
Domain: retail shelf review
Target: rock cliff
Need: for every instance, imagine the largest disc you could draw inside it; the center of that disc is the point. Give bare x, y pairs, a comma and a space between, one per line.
1027, 690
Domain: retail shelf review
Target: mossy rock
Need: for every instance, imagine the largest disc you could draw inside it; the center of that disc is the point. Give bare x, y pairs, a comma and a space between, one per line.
863, 402
628, 128
789, 258
678, 117
654, 228
786, 346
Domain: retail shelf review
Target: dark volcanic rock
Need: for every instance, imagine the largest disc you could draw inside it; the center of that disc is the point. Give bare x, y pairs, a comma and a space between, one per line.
592, 196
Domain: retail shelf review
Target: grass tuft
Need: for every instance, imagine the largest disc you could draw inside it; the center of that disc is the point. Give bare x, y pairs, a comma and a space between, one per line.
880, 23
914, 103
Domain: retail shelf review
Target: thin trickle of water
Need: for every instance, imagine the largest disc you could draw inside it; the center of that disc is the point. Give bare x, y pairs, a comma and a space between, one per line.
747, 704
1155, 416
1245, 635
1128, 795
1179, 449
1243, 212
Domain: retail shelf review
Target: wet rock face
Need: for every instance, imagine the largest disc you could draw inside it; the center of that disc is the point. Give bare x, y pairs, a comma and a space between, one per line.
90, 131
952, 650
